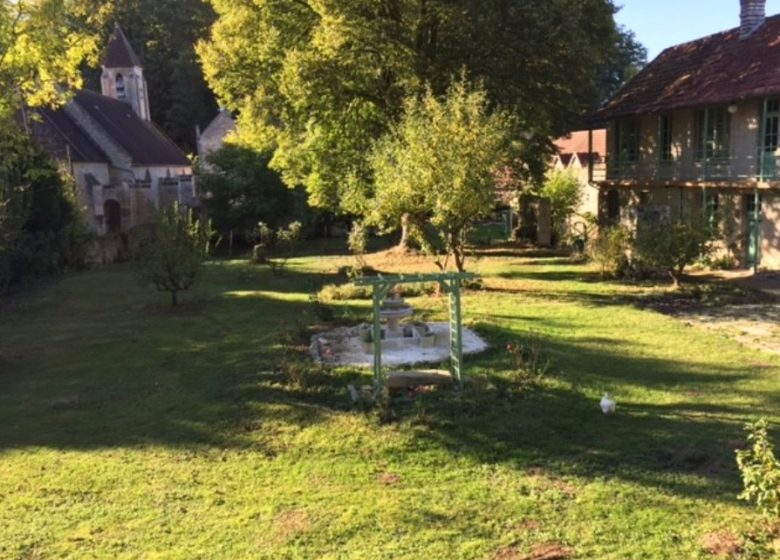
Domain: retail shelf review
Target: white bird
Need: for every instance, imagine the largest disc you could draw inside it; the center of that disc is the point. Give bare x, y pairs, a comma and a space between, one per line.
607, 404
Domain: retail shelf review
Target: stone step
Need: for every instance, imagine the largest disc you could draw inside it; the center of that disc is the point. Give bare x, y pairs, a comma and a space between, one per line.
418, 378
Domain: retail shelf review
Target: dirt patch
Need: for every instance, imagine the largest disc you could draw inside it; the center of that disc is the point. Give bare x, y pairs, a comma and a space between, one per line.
291, 523
388, 478
723, 544
754, 325
548, 551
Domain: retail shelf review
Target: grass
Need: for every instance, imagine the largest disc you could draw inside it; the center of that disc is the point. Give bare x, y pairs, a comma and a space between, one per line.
128, 429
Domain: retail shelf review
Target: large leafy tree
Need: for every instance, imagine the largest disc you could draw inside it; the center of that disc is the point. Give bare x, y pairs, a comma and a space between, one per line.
43, 44
319, 81
438, 166
244, 191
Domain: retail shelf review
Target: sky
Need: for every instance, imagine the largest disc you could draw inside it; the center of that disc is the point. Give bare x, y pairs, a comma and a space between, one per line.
662, 23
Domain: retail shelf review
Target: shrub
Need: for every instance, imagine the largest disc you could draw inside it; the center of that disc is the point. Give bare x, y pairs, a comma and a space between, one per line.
670, 247
563, 191
286, 243
357, 241
610, 248
527, 362
172, 251
760, 470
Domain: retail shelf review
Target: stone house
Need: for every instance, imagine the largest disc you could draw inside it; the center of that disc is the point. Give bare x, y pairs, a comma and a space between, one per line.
123, 165
213, 137
696, 134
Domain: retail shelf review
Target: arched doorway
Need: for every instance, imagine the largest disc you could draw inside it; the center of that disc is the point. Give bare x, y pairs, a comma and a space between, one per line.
112, 214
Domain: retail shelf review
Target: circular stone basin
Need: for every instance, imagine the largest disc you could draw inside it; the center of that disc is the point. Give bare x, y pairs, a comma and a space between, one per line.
394, 316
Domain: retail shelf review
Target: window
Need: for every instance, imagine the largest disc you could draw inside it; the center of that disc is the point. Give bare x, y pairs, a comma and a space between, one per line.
711, 207
771, 122
665, 139
627, 141
713, 131
120, 87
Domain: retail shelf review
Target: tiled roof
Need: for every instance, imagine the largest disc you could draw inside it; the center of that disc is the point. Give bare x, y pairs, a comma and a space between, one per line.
577, 142
717, 69
146, 144
56, 130
119, 53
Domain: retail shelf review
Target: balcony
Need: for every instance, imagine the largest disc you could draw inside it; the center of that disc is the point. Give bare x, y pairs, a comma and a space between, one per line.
744, 171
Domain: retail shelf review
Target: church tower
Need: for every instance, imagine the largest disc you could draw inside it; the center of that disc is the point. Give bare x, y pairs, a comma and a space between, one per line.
123, 76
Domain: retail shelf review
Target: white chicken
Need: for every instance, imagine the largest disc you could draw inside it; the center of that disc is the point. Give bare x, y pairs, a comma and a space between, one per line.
607, 404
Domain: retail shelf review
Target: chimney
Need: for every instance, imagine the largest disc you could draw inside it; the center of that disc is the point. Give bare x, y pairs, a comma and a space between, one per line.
751, 17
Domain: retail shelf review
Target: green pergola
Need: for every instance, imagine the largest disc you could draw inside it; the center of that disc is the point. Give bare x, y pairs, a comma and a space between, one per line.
450, 283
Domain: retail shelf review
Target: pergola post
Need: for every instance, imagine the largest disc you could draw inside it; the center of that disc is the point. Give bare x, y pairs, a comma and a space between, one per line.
451, 283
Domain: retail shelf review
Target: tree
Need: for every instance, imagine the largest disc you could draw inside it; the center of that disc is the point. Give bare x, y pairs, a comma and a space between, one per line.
244, 191
171, 252
563, 190
164, 35
670, 247
320, 82
43, 44
438, 165
626, 60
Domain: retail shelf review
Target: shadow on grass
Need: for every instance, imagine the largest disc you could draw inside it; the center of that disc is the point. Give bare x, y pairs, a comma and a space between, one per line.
238, 373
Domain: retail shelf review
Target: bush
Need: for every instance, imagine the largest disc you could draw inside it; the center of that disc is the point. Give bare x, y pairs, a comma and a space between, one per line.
670, 247
564, 193
286, 243
760, 470
171, 253
611, 248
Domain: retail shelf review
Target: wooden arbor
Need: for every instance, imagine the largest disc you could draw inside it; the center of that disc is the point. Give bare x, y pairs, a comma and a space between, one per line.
450, 283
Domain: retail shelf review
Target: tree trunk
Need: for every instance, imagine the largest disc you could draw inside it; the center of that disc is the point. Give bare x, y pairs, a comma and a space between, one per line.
676, 277
407, 242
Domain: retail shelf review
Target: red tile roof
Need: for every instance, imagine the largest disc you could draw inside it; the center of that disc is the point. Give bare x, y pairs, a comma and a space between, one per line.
577, 142
716, 69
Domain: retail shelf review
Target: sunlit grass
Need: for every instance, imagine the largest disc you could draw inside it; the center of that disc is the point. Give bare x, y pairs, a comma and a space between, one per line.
129, 429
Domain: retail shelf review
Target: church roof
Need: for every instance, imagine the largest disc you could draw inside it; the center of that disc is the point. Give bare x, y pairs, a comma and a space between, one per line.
58, 131
119, 53
142, 140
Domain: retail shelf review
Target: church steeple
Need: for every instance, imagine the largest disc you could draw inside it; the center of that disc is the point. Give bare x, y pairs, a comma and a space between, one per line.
123, 75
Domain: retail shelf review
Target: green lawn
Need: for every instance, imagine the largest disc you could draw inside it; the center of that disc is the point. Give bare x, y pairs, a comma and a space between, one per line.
129, 430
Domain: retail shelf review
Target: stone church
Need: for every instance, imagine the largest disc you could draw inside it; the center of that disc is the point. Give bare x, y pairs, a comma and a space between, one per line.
124, 166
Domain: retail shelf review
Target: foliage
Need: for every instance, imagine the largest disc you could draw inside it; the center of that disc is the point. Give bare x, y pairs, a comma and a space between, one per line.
438, 165
172, 251
321, 81
43, 44
163, 35
760, 470
610, 249
243, 191
528, 364
625, 61
563, 190
41, 226
286, 243
670, 247
357, 241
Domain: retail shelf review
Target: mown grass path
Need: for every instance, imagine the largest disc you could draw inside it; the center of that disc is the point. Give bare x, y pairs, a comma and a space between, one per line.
130, 430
